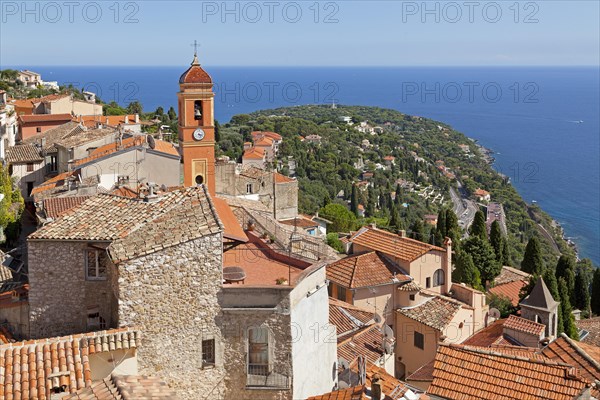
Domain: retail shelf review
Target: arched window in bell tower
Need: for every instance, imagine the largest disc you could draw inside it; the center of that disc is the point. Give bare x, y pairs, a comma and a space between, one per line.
199, 179
198, 110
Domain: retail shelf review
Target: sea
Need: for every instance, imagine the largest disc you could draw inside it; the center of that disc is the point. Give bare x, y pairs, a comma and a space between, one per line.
542, 123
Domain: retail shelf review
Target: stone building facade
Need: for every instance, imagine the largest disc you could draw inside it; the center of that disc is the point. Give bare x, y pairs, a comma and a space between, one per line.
275, 191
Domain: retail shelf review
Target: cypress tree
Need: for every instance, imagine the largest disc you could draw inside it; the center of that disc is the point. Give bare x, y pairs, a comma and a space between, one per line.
596, 292
452, 228
505, 252
465, 271
479, 228
395, 220
354, 201
417, 231
582, 293
567, 315
496, 241
565, 268
441, 223
371, 200
532, 260
483, 257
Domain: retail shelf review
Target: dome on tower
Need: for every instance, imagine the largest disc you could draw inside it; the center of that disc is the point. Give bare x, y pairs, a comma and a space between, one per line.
195, 74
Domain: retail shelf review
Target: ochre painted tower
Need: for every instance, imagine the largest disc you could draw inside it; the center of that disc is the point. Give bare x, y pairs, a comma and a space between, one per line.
197, 126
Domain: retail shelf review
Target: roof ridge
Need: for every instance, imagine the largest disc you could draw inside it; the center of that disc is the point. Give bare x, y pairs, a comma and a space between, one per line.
483, 350
579, 350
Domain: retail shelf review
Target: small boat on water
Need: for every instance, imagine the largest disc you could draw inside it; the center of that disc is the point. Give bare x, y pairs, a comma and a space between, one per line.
533, 201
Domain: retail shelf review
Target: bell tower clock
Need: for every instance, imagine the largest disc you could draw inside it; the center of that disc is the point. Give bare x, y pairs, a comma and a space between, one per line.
197, 127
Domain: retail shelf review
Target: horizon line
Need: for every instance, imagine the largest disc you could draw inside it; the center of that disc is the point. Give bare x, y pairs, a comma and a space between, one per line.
316, 66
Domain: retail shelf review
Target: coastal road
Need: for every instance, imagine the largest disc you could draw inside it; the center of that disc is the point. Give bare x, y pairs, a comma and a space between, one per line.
464, 208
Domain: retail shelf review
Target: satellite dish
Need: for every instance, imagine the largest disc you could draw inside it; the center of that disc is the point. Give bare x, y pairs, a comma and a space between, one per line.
388, 332
494, 313
376, 318
151, 141
342, 363
387, 346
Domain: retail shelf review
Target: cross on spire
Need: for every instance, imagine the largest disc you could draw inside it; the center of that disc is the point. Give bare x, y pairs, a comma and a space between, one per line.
195, 45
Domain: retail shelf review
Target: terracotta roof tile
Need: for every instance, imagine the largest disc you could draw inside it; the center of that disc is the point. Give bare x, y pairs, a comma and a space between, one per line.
23, 153
462, 372
510, 274
31, 369
41, 118
232, 228
55, 207
54, 135
195, 74
272, 135
509, 290
125, 387
136, 227
437, 312
280, 178
54, 182
391, 244
524, 325
353, 393
366, 342
348, 318
583, 356
136, 141
592, 326
423, 374
363, 270
300, 222
254, 153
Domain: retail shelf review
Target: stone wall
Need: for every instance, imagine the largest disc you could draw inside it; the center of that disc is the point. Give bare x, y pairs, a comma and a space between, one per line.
59, 294
242, 311
172, 296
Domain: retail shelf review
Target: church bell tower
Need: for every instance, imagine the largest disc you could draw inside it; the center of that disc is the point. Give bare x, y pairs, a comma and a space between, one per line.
197, 126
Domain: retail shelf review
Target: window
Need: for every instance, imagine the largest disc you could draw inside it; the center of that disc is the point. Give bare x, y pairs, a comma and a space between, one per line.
341, 293
29, 167
419, 340
411, 297
208, 352
438, 278
248, 188
258, 351
94, 320
38, 129
427, 283
197, 110
53, 164
95, 265
29, 188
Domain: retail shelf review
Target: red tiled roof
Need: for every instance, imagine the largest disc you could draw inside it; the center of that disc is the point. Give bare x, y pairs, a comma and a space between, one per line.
55, 207
112, 120
58, 180
391, 244
254, 153
481, 192
510, 274
160, 146
462, 372
300, 222
264, 142
436, 313
280, 178
390, 386
40, 118
583, 356
5, 335
524, 325
423, 374
592, 326
348, 318
23, 153
367, 342
363, 270
487, 336
272, 135
125, 191
195, 74
353, 393
31, 369
125, 387
510, 290
232, 228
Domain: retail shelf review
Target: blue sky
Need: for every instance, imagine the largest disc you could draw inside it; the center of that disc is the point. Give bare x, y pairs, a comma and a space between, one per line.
349, 33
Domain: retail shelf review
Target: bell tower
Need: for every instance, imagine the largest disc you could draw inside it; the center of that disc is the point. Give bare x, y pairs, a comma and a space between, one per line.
197, 126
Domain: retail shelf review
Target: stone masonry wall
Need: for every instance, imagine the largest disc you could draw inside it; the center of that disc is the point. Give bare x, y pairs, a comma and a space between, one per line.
172, 296
235, 330
59, 294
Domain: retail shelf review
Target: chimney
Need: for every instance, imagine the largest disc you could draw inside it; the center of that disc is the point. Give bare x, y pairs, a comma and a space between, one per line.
127, 119
447, 265
373, 225
151, 197
402, 233
137, 118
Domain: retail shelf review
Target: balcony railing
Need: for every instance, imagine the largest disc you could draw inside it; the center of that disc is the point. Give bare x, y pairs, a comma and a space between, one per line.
263, 376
